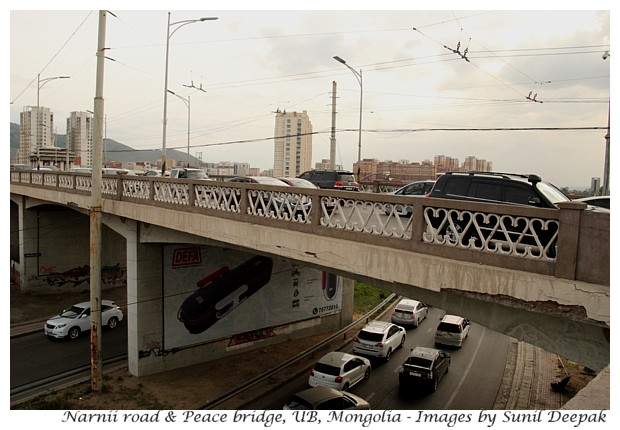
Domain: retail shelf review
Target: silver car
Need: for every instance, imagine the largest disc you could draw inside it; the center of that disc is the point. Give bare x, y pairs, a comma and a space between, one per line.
409, 312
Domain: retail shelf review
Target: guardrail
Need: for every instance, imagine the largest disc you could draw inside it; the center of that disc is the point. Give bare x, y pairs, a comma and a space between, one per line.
547, 241
255, 381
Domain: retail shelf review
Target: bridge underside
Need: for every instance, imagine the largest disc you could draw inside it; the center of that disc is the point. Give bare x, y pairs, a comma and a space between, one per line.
568, 317
533, 308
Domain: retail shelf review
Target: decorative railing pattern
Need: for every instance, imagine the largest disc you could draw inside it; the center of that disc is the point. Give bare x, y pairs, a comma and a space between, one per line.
489, 232
382, 215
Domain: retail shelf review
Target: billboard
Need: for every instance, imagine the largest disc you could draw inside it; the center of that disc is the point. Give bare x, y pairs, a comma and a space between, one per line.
213, 293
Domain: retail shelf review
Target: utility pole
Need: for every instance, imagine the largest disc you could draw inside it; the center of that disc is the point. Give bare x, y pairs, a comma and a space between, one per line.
95, 218
332, 140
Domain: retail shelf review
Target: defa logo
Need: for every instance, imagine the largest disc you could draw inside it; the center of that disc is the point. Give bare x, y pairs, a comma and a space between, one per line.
186, 257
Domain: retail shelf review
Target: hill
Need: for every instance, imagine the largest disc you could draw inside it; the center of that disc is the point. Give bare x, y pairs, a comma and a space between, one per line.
113, 150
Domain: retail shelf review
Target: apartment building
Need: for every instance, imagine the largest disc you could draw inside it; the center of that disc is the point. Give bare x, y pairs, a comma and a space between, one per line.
37, 133
80, 138
293, 143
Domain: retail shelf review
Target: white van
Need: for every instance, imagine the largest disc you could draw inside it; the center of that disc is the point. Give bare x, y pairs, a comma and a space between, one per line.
452, 331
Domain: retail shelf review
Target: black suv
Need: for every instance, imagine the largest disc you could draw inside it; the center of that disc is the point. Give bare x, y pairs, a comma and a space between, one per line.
479, 230
493, 187
332, 179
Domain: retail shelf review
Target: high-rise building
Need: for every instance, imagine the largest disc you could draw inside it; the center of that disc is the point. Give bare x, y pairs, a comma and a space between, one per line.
80, 138
293, 144
37, 133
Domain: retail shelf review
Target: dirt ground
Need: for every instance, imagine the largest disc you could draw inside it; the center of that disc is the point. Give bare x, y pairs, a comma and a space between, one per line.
188, 388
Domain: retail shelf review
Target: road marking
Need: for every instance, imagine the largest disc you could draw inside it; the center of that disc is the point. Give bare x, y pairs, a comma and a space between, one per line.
471, 362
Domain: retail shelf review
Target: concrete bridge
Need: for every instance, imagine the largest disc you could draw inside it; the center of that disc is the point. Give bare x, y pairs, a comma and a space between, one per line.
538, 275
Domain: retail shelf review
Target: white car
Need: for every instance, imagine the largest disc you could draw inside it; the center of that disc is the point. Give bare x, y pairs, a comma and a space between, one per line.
409, 312
452, 331
379, 339
75, 320
339, 370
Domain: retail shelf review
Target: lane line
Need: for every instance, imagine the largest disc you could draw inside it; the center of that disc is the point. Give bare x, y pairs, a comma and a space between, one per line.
469, 365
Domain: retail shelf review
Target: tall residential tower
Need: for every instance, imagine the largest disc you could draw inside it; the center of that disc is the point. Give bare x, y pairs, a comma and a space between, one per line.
293, 144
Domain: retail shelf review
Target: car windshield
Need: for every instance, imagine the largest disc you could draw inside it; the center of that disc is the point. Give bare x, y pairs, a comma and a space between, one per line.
196, 174
72, 312
327, 369
553, 194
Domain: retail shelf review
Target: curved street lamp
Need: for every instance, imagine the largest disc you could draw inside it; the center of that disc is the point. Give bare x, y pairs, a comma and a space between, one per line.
40, 84
358, 76
187, 103
179, 24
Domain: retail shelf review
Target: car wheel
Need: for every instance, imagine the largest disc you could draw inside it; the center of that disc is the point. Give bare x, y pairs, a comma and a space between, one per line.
367, 373
345, 387
435, 384
447, 368
388, 355
416, 323
402, 341
113, 322
74, 333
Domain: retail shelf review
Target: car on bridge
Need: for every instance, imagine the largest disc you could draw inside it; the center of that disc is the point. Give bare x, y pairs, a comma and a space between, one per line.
469, 228
188, 173
276, 203
599, 201
332, 179
339, 370
71, 322
379, 339
417, 188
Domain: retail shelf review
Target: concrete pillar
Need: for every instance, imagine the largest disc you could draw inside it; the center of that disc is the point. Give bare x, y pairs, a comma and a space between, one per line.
145, 337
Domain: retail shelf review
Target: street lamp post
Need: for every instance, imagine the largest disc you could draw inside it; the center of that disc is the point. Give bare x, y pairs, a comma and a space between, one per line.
40, 84
358, 76
187, 103
179, 24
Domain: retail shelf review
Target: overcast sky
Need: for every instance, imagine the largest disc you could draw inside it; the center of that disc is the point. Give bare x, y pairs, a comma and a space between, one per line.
238, 70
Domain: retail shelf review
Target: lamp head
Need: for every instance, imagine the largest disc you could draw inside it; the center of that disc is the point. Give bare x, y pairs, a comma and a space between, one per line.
340, 60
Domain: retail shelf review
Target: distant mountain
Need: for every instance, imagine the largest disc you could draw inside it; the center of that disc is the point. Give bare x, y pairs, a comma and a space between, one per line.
113, 150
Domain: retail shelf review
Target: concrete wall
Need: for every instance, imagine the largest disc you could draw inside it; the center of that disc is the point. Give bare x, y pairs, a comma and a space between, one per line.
53, 253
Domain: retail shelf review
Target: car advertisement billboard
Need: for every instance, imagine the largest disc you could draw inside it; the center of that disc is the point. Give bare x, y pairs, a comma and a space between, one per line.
214, 293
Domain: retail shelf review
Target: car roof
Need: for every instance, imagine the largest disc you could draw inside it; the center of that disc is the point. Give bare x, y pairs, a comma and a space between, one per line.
377, 326
268, 180
408, 302
420, 351
336, 358
87, 304
498, 175
319, 394
298, 182
452, 319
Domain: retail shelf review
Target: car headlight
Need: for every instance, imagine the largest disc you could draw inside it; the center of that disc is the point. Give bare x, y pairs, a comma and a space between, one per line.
60, 325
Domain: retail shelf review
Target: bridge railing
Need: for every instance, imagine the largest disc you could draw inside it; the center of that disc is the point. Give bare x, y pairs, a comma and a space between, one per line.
570, 243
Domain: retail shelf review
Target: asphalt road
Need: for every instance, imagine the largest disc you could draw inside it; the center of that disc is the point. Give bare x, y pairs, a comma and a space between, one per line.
473, 381
35, 357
